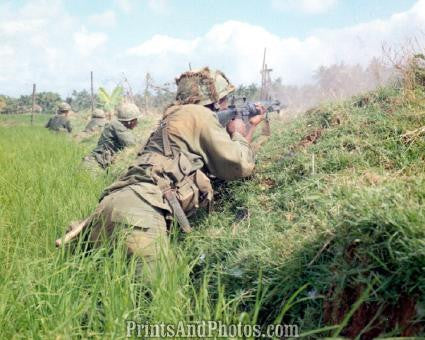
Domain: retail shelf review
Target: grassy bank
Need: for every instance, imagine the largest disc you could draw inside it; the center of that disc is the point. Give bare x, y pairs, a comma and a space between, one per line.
327, 233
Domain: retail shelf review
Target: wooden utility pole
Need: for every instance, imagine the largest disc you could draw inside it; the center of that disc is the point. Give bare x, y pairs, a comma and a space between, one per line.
266, 81
148, 81
33, 104
92, 94
266, 84
129, 89
262, 75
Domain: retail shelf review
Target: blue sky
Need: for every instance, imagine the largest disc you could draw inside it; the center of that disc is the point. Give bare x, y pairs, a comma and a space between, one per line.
55, 43
189, 18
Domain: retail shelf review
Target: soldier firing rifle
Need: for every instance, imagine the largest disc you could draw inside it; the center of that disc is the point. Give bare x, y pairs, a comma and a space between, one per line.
245, 110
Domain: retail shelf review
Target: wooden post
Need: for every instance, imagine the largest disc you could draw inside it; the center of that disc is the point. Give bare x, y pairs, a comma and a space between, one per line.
148, 81
33, 104
130, 90
92, 95
263, 76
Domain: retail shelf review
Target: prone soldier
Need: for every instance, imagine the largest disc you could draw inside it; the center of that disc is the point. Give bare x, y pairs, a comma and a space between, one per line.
60, 121
97, 121
115, 136
169, 179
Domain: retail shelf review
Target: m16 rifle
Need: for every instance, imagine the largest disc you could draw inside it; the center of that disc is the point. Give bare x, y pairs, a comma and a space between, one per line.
245, 110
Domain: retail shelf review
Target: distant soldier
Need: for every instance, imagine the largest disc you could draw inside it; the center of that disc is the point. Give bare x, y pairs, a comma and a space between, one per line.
60, 121
115, 137
97, 121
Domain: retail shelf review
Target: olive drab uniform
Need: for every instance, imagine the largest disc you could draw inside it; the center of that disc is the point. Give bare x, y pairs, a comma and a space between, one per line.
169, 178
114, 138
59, 123
97, 121
95, 124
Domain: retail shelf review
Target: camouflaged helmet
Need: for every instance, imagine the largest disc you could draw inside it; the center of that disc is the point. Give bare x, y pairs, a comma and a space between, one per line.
98, 113
202, 86
64, 107
127, 112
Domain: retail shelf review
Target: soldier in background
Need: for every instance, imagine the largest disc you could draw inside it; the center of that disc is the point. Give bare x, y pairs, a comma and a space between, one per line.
60, 121
97, 121
115, 136
169, 179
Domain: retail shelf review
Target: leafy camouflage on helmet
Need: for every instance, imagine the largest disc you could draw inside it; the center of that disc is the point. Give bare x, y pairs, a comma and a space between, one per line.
202, 86
127, 112
98, 113
64, 107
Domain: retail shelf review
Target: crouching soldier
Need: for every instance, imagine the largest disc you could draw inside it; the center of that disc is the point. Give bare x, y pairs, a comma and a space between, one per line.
60, 121
97, 121
169, 179
115, 136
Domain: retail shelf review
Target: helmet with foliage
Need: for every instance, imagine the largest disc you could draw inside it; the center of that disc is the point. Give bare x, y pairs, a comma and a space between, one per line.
203, 86
127, 112
64, 107
98, 113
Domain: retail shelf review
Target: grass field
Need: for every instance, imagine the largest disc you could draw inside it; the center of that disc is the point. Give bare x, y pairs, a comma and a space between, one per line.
328, 234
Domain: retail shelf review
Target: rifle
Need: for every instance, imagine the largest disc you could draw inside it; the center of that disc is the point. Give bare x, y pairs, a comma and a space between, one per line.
245, 110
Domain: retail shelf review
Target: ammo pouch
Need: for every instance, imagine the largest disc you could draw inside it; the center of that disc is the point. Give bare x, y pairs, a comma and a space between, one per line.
192, 188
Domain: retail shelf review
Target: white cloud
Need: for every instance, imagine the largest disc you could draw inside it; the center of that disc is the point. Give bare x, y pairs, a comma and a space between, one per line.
105, 19
162, 44
15, 26
307, 6
158, 6
6, 51
237, 48
86, 42
124, 5
41, 40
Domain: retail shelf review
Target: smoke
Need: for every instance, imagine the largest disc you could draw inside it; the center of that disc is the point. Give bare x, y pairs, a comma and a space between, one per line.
334, 83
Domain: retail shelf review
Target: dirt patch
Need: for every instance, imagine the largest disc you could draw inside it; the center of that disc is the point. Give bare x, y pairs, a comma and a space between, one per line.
310, 139
372, 318
412, 136
372, 179
267, 183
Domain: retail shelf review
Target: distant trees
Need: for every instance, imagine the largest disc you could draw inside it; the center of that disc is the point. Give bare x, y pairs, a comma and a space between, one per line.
155, 97
2, 103
80, 100
251, 92
47, 101
333, 82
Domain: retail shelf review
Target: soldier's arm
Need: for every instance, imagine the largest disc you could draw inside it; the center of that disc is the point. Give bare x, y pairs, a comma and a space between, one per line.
125, 137
68, 126
227, 158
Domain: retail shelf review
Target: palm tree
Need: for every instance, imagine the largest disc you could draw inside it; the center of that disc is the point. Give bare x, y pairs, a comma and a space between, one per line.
109, 102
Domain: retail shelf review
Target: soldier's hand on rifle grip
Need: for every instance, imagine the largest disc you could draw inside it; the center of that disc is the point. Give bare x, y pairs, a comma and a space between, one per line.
261, 115
236, 125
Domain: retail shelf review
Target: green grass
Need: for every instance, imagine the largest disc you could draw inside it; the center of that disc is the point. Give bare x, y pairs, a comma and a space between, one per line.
312, 245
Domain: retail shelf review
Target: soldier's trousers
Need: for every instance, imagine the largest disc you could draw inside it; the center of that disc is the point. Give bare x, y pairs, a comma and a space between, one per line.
125, 214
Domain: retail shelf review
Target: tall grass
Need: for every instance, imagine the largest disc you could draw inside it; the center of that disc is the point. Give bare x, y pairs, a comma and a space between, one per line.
287, 247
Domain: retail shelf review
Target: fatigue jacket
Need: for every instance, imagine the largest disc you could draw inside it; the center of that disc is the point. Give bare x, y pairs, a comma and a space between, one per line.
95, 124
59, 123
194, 131
115, 137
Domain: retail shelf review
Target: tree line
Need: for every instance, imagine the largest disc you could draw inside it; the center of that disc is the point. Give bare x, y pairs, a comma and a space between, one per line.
331, 83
